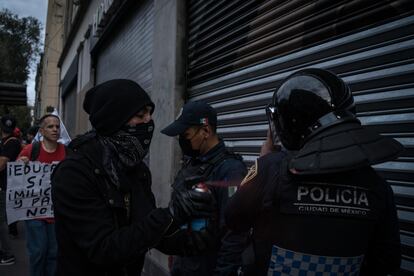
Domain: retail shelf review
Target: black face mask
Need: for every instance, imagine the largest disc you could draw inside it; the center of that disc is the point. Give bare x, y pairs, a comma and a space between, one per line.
143, 132
186, 148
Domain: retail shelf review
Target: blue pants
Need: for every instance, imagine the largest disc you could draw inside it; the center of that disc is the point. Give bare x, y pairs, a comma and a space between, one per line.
42, 247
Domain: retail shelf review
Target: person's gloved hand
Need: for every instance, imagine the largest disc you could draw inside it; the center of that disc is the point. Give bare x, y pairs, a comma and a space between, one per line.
201, 242
188, 204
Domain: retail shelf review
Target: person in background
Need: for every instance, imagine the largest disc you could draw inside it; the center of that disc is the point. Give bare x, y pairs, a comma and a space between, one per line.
106, 218
13, 232
40, 233
209, 161
9, 150
318, 208
31, 133
18, 134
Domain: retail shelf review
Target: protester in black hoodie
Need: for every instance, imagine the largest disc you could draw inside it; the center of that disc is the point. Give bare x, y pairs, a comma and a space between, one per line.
106, 219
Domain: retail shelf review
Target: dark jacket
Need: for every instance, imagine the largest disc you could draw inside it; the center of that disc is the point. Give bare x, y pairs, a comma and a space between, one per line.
97, 233
329, 217
224, 171
9, 147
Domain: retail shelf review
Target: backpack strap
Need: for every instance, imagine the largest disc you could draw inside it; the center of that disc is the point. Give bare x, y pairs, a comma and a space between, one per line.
35, 151
10, 138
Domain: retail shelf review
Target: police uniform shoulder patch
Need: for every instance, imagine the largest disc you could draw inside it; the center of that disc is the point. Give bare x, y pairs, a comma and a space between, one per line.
251, 174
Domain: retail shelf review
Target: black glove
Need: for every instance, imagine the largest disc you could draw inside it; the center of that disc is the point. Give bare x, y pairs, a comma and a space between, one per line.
200, 242
188, 204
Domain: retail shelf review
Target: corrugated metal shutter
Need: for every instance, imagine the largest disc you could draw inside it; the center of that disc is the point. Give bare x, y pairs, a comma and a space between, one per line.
128, 53
239, 51
69, 105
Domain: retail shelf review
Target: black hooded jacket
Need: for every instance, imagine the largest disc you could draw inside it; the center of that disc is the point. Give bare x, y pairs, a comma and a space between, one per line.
102, 229
322, 209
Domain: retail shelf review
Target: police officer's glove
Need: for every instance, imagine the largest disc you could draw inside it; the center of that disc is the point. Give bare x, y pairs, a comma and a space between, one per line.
188, 204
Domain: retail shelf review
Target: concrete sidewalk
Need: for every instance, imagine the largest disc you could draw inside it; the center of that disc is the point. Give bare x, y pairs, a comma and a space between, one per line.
21, 266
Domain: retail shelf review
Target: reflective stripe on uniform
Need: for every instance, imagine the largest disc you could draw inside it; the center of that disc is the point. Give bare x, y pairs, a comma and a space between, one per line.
285, 262
251, 174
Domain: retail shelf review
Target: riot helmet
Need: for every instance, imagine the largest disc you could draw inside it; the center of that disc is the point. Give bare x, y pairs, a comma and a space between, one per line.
307, 102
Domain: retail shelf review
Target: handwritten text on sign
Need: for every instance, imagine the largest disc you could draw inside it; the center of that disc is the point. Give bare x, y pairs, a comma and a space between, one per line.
28, 191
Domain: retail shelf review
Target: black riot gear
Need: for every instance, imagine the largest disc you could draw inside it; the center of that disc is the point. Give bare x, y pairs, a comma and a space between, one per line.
318, 208
307, 102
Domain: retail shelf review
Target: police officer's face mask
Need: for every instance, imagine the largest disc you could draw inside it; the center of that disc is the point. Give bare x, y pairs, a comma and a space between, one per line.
186, 147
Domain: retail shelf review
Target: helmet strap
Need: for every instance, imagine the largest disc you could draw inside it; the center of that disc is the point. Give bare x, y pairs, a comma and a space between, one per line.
328, 120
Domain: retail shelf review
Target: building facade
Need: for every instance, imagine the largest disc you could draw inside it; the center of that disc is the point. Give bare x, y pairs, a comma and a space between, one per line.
139, 40
47, 88
233, 54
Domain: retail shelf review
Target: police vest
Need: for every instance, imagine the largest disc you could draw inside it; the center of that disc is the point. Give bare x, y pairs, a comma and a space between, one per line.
202, 169
315, 224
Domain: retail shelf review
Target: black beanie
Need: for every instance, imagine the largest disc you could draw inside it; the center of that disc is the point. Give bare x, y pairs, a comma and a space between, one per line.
111, 104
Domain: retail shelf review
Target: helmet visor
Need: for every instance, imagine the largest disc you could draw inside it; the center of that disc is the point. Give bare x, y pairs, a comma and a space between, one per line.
310, 84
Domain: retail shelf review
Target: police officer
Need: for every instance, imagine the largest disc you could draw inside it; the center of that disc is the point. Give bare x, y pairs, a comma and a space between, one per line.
106, 219
318, 208
208, 160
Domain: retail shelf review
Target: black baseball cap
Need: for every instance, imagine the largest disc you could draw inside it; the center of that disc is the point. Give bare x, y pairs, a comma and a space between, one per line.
196, 113
7, 123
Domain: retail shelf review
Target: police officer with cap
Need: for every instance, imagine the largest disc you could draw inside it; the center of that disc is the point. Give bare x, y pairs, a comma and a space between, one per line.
207, 160
106, 219
318, 208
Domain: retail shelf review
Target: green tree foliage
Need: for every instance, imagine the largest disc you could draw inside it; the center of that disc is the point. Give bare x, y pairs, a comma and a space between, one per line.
19, 46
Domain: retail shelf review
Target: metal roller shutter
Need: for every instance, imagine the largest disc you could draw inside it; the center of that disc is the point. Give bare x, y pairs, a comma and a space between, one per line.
128, 54
239, 51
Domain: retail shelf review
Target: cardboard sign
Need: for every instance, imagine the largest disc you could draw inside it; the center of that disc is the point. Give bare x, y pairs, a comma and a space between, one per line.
28, 191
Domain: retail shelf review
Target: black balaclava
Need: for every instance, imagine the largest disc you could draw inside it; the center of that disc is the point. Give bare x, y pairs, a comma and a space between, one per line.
110, 106
143, 132
131, 146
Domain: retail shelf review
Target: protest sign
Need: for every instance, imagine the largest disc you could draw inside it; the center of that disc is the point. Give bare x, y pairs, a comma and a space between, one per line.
28, 190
